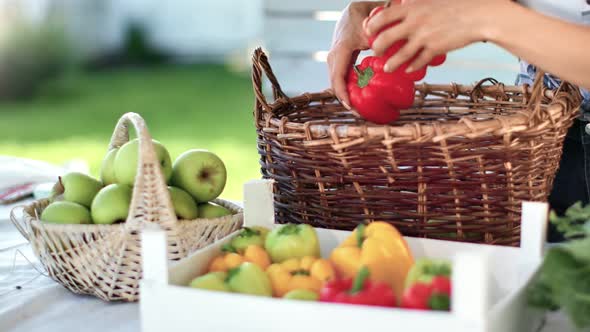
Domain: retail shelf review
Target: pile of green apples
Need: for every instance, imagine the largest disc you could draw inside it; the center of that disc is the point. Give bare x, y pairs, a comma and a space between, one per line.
195, 179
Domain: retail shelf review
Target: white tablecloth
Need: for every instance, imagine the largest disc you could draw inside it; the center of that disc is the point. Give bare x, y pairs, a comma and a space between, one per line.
42, 305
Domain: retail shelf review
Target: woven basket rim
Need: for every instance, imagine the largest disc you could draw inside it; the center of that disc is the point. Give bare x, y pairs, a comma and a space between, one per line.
519, 121
536, 99
236, 209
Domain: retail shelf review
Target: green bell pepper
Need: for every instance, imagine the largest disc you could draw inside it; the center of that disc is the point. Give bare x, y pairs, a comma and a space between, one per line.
249, 236
425, 269
292, 241
247, 278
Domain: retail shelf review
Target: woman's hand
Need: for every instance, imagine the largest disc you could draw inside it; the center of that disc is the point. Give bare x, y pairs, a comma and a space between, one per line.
348, 40
432, 27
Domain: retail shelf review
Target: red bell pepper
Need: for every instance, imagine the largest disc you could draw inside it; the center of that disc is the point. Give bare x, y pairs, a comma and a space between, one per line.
378, 96
358, 291
438, 60
435, 295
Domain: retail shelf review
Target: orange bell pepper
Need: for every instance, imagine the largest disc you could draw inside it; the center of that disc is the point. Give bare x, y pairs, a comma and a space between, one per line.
381, 248
306, 273
231, 258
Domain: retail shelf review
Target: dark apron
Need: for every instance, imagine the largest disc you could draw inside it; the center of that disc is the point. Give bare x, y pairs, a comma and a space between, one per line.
571, 181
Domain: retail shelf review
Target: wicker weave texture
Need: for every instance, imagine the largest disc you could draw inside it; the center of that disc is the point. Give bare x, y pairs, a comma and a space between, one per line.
455, 166
105, 260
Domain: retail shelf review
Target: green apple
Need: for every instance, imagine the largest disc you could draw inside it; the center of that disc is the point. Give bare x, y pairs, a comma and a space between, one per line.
211, 210
126, 161
111, 204
66, 213
214, 281
184, 205
249, 278
78, 188
302, 294
107, 169
201, 173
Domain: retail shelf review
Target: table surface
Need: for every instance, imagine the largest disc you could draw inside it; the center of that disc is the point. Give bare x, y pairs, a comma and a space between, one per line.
30, 301
43, 305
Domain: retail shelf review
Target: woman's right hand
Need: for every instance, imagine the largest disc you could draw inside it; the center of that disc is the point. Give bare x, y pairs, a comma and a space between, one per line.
347, 41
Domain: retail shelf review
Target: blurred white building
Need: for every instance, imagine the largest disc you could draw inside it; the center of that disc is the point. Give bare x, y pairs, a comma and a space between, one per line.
185, 28
296, 33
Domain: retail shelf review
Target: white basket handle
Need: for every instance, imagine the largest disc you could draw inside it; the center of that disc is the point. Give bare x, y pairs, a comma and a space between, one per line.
156, 206
17, 222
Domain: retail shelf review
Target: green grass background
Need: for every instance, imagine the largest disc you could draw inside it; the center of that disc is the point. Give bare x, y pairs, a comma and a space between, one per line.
185, 107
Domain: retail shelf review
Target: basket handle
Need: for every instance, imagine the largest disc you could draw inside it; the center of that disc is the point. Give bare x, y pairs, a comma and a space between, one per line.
538, 93
16, 222
157, 205
534, 101
260, 64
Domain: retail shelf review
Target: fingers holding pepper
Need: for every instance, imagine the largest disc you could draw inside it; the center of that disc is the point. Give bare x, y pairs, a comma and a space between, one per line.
431, 27
347, 40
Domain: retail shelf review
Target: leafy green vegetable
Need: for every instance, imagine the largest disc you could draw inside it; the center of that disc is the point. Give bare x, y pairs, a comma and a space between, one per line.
540, 295
563, 281
574, 223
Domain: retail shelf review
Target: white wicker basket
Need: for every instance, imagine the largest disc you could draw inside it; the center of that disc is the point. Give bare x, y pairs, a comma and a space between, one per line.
105, 260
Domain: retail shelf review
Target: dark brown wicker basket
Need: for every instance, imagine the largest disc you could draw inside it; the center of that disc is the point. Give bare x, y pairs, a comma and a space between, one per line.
456, 166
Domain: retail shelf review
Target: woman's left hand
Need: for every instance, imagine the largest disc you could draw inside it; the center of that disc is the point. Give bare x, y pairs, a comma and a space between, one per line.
432, 27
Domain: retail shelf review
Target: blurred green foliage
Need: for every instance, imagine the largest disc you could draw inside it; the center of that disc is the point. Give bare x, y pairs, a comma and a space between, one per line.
200, 106
137, 48
29, 55
135, 51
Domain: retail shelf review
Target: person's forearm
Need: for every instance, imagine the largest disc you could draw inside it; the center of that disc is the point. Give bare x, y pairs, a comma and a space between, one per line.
555, 46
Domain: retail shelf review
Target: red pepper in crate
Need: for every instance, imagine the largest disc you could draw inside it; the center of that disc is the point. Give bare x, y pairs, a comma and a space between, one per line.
378, 96
358, 291
435, 295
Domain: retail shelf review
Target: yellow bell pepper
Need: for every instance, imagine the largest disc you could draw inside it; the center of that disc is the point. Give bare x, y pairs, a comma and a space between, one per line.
381, 248
306, 273
230, 259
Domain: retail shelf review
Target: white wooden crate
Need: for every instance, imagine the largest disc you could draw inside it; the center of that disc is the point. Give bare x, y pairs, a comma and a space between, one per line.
297, 36
488, 286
